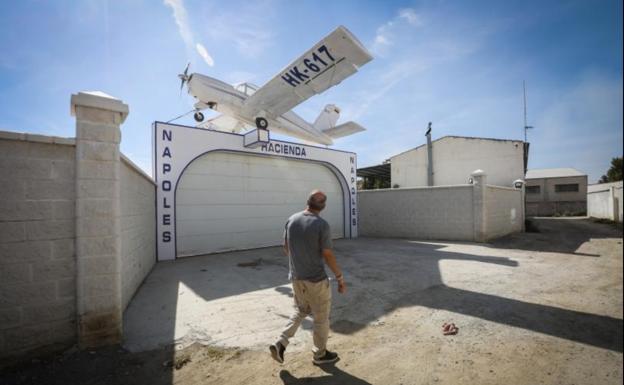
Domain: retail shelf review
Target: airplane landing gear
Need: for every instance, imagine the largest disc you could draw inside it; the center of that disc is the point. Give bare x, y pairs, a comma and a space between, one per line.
199, 117
262, 123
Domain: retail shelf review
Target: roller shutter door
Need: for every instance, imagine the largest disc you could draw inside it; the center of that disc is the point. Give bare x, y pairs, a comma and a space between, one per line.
230, 201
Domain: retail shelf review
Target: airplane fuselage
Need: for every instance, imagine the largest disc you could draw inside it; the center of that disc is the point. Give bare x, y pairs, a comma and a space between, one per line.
223, 97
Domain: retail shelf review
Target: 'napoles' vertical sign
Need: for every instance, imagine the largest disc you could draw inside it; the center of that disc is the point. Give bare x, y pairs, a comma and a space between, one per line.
166, 177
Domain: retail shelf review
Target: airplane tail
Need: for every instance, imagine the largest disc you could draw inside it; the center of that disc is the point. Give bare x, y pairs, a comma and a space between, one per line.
344, 129
327, 118
326, 123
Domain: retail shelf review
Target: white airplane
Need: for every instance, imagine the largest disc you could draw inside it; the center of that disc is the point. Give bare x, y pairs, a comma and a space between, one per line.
333, 59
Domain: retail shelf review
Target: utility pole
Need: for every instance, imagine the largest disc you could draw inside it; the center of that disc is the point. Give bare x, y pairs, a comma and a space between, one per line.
429, 157
526, 128
525, 145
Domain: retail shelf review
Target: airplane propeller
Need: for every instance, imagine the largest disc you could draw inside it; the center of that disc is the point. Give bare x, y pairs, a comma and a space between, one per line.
184, 76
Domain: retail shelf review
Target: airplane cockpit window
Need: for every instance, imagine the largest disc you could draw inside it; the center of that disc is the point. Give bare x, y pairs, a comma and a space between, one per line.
247, 88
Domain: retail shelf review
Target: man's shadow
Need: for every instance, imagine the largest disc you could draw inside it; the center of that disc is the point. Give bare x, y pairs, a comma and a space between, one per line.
337, 377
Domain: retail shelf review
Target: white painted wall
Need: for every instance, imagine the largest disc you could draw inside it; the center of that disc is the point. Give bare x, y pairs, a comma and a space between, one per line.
503, 208
603, 203
474, 212
229, 201
454, 158
138, 228
423, 213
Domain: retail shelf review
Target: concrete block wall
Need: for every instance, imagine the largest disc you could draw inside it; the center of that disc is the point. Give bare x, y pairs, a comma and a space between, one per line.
444, 212
77, 233
37, 256
138, 237
472, 212
503, 211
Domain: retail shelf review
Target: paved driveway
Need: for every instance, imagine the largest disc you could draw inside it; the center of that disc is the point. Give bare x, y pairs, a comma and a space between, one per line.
555, 283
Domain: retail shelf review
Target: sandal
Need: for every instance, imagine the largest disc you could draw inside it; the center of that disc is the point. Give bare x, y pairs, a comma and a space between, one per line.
449, 329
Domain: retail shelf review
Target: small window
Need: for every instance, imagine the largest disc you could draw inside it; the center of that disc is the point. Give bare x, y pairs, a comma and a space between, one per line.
573, 187
532, 189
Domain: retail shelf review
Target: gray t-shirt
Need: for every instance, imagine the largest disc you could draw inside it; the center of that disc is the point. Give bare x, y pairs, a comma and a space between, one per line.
307, 235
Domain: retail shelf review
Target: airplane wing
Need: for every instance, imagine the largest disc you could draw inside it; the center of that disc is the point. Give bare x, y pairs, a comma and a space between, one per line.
223, 123
343, 129
330, 61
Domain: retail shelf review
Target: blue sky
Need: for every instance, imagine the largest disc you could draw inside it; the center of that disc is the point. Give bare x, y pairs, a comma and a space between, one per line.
458, 64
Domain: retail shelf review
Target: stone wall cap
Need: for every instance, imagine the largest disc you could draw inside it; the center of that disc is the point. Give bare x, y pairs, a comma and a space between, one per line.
478, 173
98, 99
10, 135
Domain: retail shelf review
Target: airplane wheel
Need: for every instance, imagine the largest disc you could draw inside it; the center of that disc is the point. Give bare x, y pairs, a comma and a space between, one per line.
262, 123
199, 117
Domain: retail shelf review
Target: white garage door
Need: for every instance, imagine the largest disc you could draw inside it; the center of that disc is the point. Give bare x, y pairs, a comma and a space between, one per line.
229, 201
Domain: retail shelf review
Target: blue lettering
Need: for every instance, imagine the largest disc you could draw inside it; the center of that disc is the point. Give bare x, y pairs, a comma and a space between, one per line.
285, 149
166, 185
165, 204
167, 135
166, 168
290, 80
166, 236
295, 72
166, 152
167, 219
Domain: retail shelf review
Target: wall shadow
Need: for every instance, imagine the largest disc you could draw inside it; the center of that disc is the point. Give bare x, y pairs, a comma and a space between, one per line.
558, 235
416, 281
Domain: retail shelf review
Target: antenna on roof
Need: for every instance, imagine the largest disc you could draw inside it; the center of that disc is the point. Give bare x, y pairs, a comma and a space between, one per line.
525, 112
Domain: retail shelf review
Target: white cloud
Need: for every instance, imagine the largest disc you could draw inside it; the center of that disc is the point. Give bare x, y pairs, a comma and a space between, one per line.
250, 33
201, 50
181, 18
410, 16
385, 35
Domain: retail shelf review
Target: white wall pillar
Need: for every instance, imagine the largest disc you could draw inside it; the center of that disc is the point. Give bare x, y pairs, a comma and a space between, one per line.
98, 241
479, 182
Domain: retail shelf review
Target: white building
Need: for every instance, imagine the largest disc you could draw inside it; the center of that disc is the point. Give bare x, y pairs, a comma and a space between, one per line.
455, 157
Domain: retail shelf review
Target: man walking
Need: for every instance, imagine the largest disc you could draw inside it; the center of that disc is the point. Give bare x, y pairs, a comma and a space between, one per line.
307, 243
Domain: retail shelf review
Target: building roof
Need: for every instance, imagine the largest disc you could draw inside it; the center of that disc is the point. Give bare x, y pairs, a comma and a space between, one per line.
457, 137
603, 186
553, 173
380, 171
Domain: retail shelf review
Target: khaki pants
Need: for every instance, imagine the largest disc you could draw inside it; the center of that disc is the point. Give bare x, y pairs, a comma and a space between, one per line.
310, 298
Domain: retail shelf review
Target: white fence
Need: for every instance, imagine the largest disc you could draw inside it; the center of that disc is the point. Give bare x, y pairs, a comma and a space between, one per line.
473, 212
605, 201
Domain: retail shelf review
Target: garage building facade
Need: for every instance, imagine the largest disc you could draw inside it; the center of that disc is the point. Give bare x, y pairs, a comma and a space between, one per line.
214, 194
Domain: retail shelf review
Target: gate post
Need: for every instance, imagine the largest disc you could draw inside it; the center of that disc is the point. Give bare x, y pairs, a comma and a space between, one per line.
479, 181
98, 238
